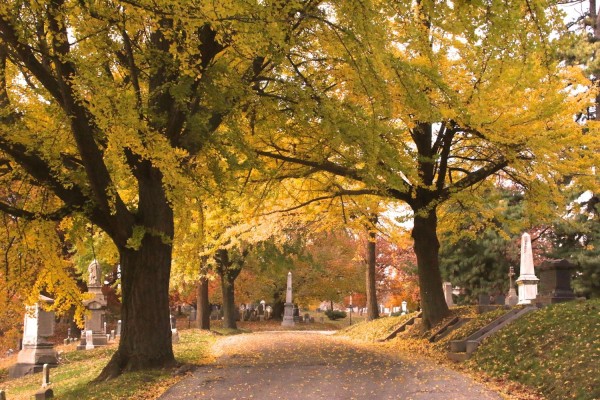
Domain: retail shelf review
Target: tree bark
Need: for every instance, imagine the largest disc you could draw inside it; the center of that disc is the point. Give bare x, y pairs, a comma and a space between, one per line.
146, 329
372, 306
426, 245
228, 273
278, 305
228, 290
145, 270
203, 312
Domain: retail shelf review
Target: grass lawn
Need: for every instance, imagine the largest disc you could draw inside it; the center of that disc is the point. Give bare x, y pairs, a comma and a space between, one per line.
71, 380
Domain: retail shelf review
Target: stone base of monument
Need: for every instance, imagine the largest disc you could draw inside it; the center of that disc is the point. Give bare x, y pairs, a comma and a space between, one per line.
288, 315
31, 359
98, 340
528, 289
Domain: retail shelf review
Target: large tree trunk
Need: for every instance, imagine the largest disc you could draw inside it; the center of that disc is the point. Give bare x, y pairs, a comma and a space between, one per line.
203, 312
278, 305
426, 245
146, 331
372, 306
228, 271
145, 271
228, 290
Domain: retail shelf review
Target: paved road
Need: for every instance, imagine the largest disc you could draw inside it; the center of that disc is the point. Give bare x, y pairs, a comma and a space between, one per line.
315, 365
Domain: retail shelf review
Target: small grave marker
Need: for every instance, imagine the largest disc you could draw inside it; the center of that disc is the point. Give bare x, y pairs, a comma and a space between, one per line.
2, 395
46, 376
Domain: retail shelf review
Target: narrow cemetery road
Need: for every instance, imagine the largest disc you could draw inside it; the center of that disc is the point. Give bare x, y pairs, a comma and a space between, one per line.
314, 365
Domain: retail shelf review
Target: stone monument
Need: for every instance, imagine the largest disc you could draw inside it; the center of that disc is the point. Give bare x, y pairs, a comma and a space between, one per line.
511, 298
447, 287
288, 311
555, 281
96, 319
37, 349
527, 282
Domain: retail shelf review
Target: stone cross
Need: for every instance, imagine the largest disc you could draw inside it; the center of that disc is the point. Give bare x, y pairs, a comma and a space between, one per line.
511, 299
527, 281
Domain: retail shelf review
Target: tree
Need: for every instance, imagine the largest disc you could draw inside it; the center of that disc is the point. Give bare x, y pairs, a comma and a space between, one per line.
396, 272
576, 238
435, 101
105, 106
476, 254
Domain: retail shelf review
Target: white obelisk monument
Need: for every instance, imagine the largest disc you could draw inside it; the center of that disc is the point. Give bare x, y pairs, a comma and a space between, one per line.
288, 311
527, 282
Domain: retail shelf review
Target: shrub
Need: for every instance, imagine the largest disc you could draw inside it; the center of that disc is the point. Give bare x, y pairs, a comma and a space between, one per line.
335, 314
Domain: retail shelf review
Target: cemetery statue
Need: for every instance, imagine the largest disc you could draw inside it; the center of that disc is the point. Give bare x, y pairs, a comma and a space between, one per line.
95, 321
94, 274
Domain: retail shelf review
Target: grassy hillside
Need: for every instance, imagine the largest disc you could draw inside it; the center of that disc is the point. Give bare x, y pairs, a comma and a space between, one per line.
555, 350
375, 330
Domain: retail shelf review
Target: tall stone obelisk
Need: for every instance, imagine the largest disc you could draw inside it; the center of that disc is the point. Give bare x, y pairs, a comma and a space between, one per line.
288, 311
527, 282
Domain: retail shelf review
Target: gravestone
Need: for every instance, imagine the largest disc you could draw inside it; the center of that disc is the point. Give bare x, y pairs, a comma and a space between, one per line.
36, 350
95, 320
89, 339
44, 393
447, 286
46, 376
527, 282
555, 281
288, 310
296, 313
174, 333
404, 309
2, 395
483, 299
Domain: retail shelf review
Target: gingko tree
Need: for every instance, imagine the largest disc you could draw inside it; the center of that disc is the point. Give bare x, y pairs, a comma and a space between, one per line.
436, 101
106, 106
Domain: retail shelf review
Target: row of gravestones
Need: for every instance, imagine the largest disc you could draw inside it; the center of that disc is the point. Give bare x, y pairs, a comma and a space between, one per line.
554, 287
36, 349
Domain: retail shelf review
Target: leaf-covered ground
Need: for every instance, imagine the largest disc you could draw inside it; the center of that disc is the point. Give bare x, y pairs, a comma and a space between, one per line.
313, 365
375, 330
